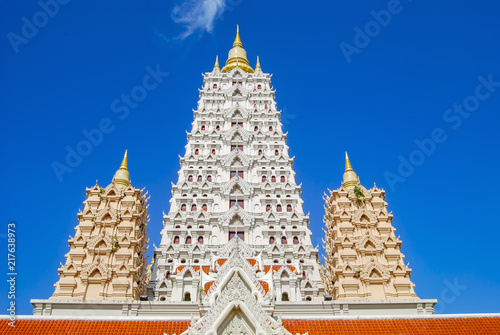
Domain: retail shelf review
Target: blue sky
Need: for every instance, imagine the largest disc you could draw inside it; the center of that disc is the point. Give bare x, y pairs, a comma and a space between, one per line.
384, 80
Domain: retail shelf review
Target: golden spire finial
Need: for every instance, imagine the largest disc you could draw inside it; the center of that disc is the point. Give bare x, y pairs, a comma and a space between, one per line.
350, 177
237, 40
216, 66
257, 66
122, 176
348, 166
237, 56
124, 161
149, 268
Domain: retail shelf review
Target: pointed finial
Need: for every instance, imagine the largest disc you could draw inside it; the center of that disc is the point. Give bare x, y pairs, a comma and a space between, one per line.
122, 176
124, 161
348, 166
237, 56
257, 66
350, 177
216, 66
237, 40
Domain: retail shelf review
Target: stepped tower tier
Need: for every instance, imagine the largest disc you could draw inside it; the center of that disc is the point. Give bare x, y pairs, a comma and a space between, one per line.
107, 260
364, 259
236, 179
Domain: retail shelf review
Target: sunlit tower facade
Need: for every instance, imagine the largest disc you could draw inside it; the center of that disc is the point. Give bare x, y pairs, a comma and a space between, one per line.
236, 179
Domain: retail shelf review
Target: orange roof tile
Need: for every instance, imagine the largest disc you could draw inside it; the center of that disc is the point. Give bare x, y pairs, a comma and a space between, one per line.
221, 261
83, 327
252, 261
264, 285
208, 285
407, 326
206, 269
435, 326
267, 268
179, 269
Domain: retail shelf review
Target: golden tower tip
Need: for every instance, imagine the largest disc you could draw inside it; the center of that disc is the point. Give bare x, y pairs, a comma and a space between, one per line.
122, 176
216, 66
237, 40
348, 166
350, 177
237, 56
124, 161
257, 66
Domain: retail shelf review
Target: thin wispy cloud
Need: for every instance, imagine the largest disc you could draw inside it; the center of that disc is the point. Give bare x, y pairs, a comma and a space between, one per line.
197, 15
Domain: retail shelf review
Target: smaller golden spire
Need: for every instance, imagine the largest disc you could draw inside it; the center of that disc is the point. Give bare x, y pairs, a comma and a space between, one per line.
350, 177
149, 268
216, 66
124, 161
237, 40
122, 176
348, 166
257, 66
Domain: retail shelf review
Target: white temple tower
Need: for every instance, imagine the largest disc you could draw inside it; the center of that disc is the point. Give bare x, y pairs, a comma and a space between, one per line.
236, 179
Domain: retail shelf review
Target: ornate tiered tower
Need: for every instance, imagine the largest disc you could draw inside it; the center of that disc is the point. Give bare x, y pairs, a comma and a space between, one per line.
236, 193
106, 260
235, 254
364, 259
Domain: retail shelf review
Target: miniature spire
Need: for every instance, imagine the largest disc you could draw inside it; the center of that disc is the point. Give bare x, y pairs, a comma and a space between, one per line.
350, 177
237, 56
122, 176
257, 66
149, 268
348, 166
124, 161
216, 66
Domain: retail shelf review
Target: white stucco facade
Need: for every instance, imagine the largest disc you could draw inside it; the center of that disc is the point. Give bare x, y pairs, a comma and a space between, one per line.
236, 177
